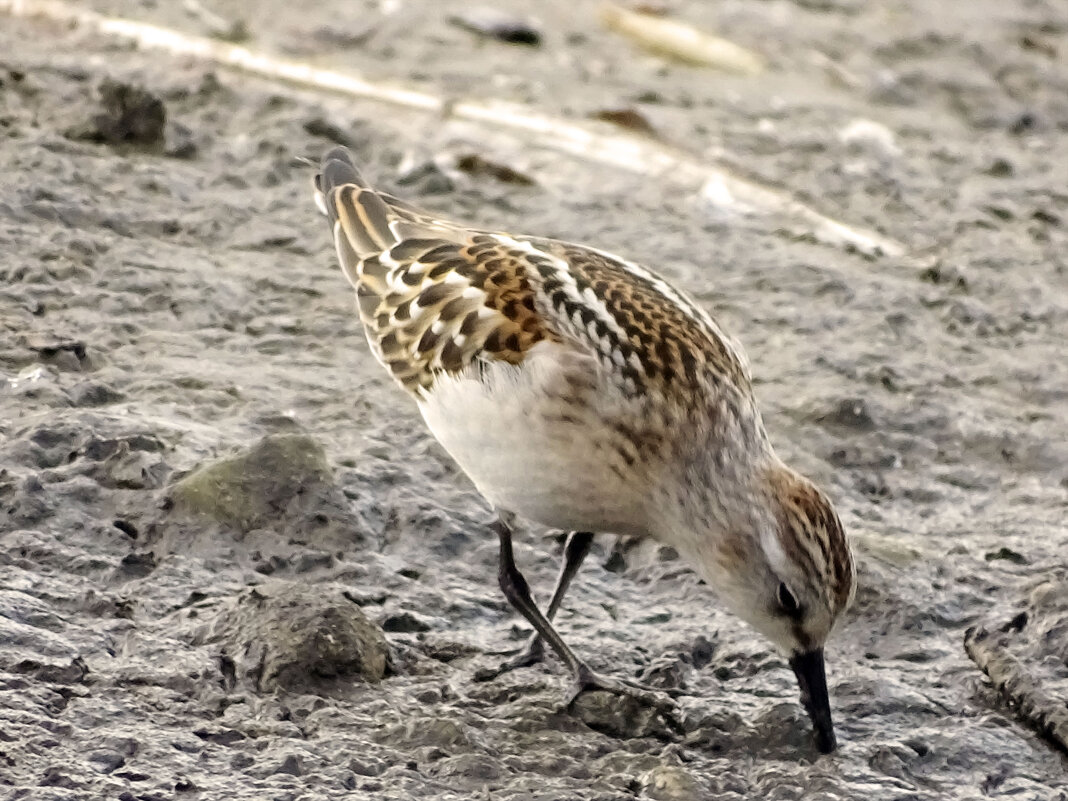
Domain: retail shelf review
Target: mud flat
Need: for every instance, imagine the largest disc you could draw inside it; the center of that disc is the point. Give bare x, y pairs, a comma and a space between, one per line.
233, 565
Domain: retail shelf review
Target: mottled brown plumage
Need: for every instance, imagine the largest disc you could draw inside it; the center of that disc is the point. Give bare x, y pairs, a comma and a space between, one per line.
582, 391
676, 344
432, 306
436, 297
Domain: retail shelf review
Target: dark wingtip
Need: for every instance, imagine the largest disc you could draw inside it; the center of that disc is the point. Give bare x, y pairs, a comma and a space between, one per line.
338, 153
337, 169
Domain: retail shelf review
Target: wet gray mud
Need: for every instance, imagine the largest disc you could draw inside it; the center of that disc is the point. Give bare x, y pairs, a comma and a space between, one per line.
234, 565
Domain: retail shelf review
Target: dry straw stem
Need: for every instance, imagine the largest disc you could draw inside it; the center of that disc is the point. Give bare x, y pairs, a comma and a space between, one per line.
636, 154
679, 41
1048, 715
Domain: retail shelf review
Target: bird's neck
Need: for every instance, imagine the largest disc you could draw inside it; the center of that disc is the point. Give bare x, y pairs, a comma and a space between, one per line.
714, 490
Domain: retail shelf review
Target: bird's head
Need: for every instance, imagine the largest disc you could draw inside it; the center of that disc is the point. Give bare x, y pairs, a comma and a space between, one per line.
785, 566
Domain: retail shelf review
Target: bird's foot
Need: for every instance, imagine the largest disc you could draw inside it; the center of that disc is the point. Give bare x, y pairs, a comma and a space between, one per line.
588, 681
532, 653
638, 711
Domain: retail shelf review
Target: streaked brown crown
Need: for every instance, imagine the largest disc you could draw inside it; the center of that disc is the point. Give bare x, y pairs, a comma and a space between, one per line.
812, 535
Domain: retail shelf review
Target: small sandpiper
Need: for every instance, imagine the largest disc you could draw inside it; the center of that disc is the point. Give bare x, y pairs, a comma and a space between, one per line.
581, 391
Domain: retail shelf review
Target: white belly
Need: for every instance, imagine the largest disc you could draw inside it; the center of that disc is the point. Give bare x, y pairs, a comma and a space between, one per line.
536, 446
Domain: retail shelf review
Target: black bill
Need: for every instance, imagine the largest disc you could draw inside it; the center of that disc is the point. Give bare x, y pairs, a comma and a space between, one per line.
812, 678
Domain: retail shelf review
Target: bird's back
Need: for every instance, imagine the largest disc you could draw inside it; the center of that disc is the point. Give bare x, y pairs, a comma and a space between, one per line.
437, 298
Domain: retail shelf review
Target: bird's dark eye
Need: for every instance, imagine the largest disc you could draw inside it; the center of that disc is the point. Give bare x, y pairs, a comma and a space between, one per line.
788, 602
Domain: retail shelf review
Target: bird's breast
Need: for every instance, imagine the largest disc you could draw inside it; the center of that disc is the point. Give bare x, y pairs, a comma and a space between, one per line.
551, 440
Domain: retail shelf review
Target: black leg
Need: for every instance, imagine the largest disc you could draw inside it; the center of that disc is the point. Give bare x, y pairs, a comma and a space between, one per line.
575, 550
517, 591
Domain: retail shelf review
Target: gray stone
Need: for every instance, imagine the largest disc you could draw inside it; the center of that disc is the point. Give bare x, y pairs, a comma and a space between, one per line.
670, 783
251, 489
286, 635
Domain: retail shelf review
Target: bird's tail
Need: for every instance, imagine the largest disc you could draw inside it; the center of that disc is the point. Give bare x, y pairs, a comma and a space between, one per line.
358, 215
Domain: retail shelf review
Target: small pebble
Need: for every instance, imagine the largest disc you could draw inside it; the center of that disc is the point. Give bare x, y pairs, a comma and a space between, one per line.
494, 24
